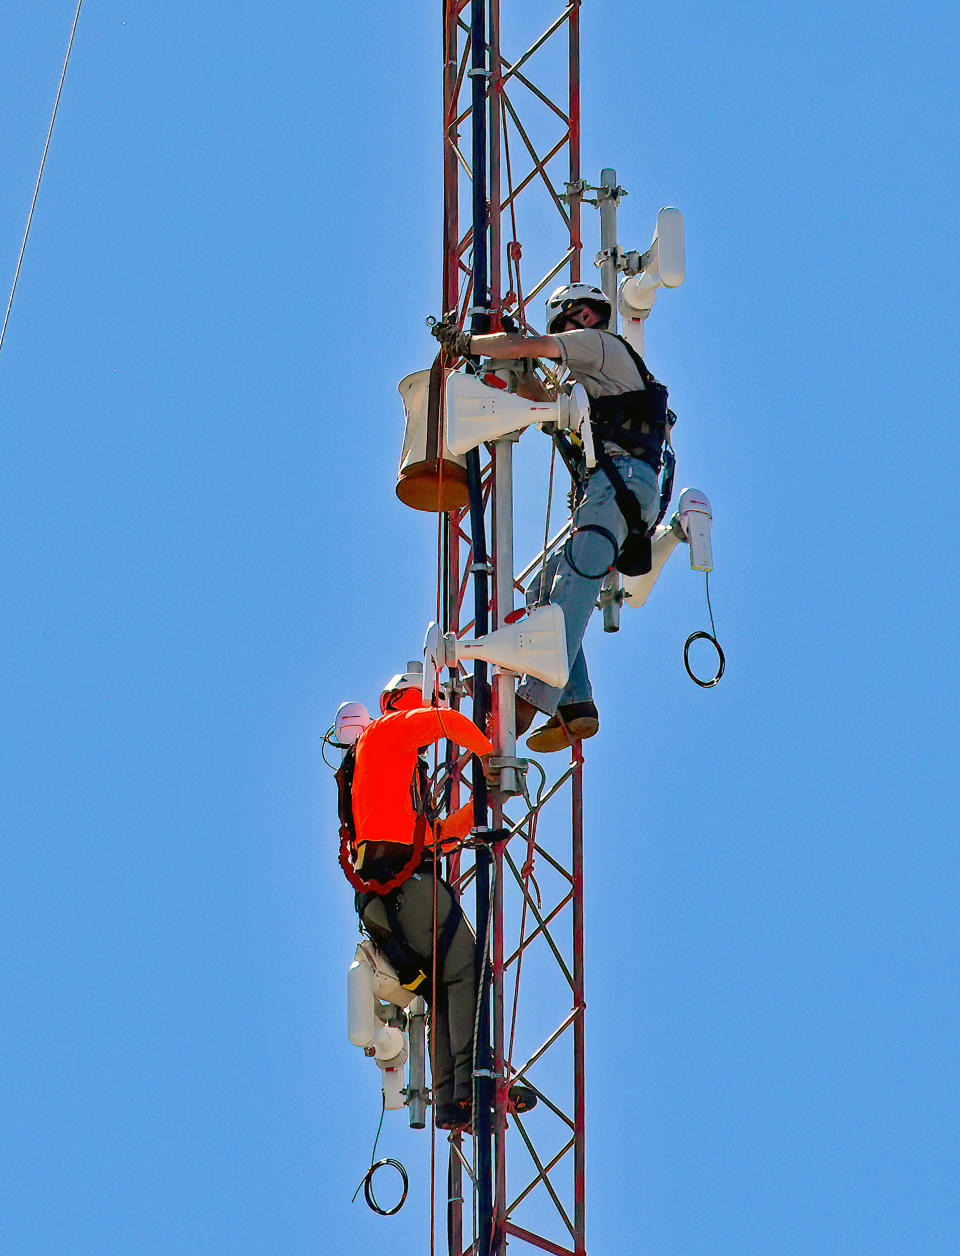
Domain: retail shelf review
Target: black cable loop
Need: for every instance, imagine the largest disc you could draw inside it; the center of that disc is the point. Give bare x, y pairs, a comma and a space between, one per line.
721, 661
367, 1180
368, 1194
606, 534
705, 636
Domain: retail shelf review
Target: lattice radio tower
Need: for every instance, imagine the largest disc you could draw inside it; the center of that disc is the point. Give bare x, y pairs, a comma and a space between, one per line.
512, 165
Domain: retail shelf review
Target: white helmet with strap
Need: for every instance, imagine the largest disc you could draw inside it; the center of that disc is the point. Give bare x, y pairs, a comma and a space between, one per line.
403, 691
350, 721
568, 295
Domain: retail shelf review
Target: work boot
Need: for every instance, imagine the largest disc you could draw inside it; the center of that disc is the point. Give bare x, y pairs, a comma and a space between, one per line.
526, 712
573, 722
522, 1098
457, 1115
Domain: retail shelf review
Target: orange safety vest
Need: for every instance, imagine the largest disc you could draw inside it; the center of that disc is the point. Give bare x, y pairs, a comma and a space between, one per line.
381, 801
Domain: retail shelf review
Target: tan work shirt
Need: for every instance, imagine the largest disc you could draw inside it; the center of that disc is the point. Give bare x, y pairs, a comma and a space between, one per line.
598, 361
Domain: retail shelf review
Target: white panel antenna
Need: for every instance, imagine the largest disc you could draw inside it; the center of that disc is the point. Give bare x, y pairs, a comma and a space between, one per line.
696, 518
477, 413
692, 524
662, 266
536, 645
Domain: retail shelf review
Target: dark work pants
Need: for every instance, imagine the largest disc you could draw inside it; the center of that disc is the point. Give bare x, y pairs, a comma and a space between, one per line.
455, 999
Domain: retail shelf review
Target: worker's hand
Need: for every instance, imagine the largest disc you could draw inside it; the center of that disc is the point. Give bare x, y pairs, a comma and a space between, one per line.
530, 387
452, 340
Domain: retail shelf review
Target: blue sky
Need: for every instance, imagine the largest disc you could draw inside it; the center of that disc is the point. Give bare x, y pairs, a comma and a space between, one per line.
235, 249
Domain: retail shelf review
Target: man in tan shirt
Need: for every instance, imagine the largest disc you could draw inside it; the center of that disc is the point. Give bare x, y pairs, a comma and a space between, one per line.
577, 319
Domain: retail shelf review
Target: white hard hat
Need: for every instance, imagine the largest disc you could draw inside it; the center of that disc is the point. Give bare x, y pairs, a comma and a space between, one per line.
350, 721
396, 695
570, 294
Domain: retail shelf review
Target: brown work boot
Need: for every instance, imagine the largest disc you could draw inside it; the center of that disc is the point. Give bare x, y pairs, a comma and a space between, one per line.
457, 1115
572, 722
526, 712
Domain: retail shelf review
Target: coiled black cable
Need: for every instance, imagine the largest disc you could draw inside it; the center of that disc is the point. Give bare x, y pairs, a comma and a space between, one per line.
705, 636
607, 536
367, 1180
368, 1194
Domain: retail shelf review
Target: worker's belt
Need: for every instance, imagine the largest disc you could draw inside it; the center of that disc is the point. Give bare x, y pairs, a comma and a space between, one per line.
634, 421
381, 860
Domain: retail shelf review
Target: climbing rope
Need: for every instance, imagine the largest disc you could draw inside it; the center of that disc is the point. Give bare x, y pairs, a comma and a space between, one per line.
43, 161
546, 524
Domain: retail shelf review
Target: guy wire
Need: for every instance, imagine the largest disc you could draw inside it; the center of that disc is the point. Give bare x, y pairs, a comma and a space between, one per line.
43, 160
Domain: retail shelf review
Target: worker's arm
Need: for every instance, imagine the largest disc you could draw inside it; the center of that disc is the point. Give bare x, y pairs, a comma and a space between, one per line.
455, 826
460, 728
502, 344
505, 344
413, 729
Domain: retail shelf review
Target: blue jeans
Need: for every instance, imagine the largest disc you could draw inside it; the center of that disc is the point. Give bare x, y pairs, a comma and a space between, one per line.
593, 554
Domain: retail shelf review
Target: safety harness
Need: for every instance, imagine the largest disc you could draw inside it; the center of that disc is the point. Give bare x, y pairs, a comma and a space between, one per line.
411, 967
348, 831
639, 422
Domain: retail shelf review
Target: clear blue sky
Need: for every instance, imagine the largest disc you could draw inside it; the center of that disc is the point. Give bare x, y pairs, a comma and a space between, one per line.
235, 249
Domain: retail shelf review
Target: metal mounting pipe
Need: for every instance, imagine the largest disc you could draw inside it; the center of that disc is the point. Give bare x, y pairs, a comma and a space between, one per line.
608, 198
505, 728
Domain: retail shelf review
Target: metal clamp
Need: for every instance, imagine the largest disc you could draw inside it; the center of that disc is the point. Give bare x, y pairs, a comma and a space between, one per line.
610, 600
630, 261
498, 762
575, 190
608, 193
483, 835
607, 255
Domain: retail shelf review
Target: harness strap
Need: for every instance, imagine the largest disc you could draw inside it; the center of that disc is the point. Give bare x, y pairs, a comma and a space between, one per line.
658, 451
645, 373
391, 908
627, 504
634, 557
373, 886
666, 486
572, 460
450, 926
668, 457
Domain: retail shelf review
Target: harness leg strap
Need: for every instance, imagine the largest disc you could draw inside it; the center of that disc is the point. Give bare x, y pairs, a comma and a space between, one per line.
634, 558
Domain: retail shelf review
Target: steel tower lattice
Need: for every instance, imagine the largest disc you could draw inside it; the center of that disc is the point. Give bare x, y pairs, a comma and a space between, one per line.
511, 157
